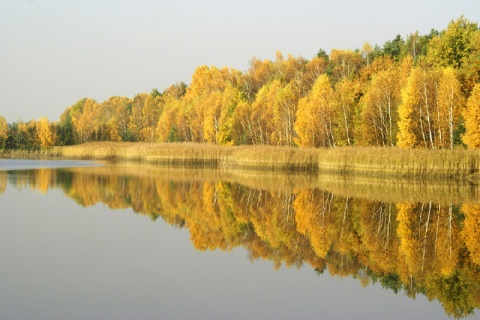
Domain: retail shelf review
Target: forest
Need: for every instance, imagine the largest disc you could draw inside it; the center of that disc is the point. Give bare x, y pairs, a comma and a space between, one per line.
421, 91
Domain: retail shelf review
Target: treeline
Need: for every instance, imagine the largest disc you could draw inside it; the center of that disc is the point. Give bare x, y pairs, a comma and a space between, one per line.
419, 92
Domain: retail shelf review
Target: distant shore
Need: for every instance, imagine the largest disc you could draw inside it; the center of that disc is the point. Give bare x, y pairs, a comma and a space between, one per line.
361, 161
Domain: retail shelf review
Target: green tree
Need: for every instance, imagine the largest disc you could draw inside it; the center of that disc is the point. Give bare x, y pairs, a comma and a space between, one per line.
64, 129
454, 45
394, 48
416, 45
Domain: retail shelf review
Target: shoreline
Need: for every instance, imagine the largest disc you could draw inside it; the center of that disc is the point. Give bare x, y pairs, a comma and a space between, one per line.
376, 162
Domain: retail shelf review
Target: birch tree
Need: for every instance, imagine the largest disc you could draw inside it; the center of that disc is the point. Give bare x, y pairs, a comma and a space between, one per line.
315, 124
472, 119
3, 131
44, 133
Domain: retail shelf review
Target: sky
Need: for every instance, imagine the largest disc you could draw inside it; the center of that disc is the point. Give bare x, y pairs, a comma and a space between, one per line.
56, 52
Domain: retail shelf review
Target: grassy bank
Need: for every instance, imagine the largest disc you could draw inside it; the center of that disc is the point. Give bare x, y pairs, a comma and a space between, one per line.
357, 161
25, 154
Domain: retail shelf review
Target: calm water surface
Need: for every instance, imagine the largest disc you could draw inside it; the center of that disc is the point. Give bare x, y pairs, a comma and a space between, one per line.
128, 242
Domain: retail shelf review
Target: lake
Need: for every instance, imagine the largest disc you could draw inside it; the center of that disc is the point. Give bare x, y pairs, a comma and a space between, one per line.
128, 241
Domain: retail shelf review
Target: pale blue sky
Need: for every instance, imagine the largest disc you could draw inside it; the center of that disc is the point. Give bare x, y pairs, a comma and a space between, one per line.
53, 53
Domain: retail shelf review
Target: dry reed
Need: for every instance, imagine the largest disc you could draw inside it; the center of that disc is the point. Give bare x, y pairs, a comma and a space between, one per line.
393, 163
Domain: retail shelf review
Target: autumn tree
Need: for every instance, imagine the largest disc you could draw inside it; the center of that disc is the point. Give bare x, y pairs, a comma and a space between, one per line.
83, 115
204, 102
274, 112
259, 73
380, 103
168, 126
242, 124
204, 99
3, 132
430, 113
135, 124
450, 107
150, 114
116, 117
284, 114
102, 116
44, 133
261, 114
105, 121
176, 90
418, 110
228, 131
314, 68
345, 95
344, 64
315, 124
472, 119
288, 70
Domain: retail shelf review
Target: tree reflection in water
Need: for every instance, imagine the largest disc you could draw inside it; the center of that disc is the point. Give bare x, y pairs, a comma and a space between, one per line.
426, 246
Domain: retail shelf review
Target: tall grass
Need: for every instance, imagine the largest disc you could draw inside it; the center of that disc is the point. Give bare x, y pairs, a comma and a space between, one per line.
400, 163
353, 161
24, 154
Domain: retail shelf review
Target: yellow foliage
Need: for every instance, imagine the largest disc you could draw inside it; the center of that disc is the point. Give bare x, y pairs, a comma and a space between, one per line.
379, 106
471, 116
407, 125
471, 231
450, 106
3, 128
45, 134
315, 116
407, 249
83, 120
345, 92
3, 181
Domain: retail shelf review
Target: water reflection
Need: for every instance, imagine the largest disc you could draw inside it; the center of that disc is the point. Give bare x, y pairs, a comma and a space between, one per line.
416, 238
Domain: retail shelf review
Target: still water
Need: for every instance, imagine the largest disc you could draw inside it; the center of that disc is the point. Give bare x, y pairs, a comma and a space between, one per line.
121, 241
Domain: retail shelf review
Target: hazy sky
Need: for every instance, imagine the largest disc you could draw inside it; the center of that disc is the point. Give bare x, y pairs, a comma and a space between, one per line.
53, 53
